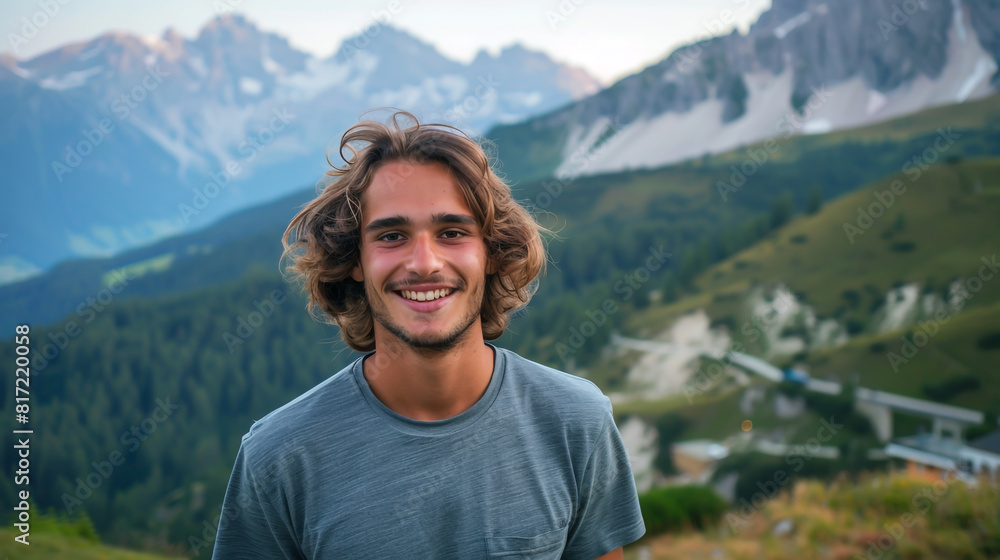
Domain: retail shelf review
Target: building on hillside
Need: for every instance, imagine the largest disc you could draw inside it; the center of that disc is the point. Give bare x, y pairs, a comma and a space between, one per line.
932, 457
983, 456
948, 421
696, 460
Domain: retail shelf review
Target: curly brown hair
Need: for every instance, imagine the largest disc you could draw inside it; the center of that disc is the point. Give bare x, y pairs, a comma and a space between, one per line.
323, 240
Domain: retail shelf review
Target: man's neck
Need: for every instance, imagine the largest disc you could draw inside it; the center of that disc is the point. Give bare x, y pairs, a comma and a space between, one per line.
429, 385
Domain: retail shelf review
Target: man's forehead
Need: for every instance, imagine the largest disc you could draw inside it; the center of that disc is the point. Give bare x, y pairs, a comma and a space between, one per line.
404, 192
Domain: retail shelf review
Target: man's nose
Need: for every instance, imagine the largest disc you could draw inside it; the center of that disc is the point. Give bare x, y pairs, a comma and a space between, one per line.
424, 258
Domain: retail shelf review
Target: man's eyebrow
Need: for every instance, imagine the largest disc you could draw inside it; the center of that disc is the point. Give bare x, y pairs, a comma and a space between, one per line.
463, 219
438, 219
382, 223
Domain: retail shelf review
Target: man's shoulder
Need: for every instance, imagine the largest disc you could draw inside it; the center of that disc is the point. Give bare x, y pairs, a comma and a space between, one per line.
553, 389
304, 417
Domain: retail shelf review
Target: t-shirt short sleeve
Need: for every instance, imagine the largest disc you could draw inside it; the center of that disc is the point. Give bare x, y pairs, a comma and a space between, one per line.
250, 526
608, 515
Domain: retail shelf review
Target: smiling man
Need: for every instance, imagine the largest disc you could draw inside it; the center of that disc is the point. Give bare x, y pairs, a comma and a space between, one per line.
435, 443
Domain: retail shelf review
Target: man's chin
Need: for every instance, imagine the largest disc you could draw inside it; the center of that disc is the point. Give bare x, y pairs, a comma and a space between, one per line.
432, 342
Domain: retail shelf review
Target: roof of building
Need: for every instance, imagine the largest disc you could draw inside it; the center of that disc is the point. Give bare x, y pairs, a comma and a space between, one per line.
702, 449
920, 407
920, 456
990, 442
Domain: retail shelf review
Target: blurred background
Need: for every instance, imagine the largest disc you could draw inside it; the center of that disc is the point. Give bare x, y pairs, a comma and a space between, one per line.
777, 243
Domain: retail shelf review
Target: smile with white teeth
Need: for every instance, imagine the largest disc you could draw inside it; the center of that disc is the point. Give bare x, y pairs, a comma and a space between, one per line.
425, 296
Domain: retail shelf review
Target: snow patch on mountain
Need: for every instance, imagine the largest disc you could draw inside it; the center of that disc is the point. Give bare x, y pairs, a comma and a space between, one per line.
817, 126
671, 136
14, 268
785, 28
103, 241
985, 67
959, 17
70, 80
318, 77
175, 146
22, 72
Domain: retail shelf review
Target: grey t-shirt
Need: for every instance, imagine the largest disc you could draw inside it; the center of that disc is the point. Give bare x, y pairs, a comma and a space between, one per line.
535, 469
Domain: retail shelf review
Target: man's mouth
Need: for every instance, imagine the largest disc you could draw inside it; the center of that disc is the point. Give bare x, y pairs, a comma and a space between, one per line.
430, 295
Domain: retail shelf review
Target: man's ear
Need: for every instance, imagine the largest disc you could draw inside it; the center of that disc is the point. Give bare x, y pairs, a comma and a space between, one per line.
357, 274
491, 266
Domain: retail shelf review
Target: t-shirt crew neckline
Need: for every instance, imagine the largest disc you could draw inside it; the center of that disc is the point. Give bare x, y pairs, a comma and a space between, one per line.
433, 427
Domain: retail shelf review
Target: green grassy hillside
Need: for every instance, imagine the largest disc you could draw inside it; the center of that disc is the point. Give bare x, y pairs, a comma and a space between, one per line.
938, 230
55, 538
878, 517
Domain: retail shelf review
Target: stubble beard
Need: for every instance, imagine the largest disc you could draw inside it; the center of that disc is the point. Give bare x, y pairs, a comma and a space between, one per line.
432, 343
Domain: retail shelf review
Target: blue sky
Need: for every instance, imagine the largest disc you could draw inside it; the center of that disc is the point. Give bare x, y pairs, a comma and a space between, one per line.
608, 39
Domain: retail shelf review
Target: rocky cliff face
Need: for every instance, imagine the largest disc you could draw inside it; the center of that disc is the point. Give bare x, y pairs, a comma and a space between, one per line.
859, 61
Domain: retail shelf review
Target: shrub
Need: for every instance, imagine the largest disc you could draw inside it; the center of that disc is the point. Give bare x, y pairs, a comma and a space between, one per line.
903, 246
679, 507
989, 341
668, 428
945, 389
79, 526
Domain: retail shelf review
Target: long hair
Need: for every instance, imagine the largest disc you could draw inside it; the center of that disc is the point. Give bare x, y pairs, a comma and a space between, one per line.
323, 240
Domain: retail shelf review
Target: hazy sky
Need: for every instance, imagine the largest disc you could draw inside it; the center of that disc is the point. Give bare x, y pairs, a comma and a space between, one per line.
608, 39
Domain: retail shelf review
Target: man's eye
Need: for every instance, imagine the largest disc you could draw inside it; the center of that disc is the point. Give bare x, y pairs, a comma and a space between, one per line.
390, 237
453, 234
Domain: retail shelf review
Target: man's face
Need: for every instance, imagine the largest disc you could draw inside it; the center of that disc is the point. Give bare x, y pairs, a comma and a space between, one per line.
423, 257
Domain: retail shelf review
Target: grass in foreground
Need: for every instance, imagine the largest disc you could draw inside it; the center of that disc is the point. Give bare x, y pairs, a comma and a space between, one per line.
58, 539
880, 517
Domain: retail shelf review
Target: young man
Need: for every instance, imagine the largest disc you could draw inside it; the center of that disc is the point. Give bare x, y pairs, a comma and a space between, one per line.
435, 444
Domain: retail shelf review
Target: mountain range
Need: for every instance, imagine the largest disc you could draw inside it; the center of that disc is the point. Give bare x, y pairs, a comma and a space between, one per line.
122, 140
